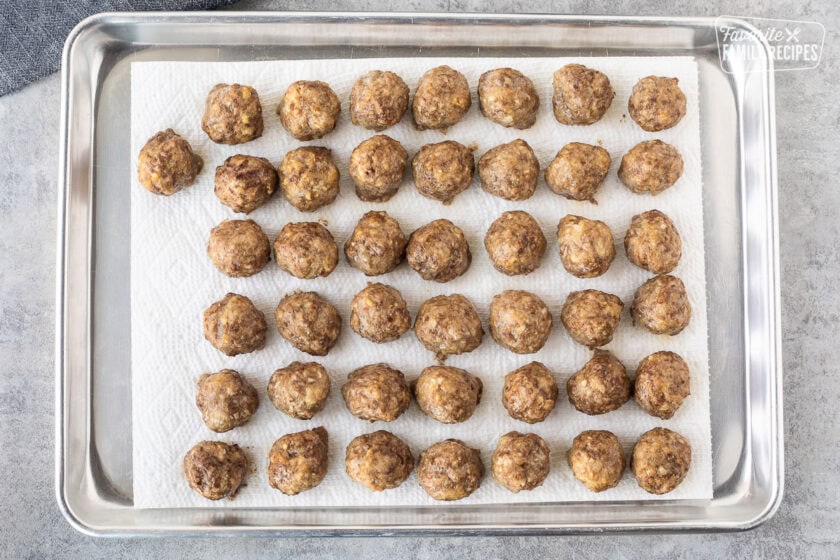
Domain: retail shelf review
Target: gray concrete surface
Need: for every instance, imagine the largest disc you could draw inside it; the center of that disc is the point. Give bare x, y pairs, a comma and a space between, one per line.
809, 150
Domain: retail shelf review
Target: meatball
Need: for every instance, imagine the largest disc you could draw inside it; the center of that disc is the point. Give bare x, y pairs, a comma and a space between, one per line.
379, 313
521, 461
578, 171
309, 109
661, 459
515, 243
509, 171
661, 305
167, 163
439, 251
233, 325
581, 95
600, 386
591, 317
232, 114
299, 389
215, 469
508, 97
442, 99
309, 322
379, 460
377, 244
244, 183
653, 242
530, 393
448, 325
309, 178
378, 100
298, 462
519, 321
448, 394
650, 167
449, 470
587, 247
376, 392
443, 170
662, 384
656, 103
377, 166
306, 250
597, 459
238, 248
226, 400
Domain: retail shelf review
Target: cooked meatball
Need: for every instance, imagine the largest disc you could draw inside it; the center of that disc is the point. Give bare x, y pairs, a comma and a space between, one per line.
530, 393
443, 170
515, 243
449, 470
591, 317
448, 394
581, 95
508, 97
377, 244
578, 171
509, 171
448, 325
661, 459
662, 384
309, 322
309, 109
377, 166
379, 313
597, 459
225, 399
439, 251
300, 389
661, 305
298, 462
600, 386
376, 392
378, 100
442, 99
238, 248
233, 325
215, 469
232, 114
650, 167
653, 242
587, 247
167, 163
379, 460
656, 103
519, 321
306, 250
244, 183
309, 178
521, 461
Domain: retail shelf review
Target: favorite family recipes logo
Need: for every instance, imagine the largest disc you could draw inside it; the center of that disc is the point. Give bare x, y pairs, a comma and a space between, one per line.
793, 45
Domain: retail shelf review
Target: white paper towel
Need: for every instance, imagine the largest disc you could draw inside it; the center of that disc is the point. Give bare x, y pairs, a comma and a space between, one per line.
173, 281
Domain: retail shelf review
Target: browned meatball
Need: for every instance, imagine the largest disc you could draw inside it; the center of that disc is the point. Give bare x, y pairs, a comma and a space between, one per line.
238, 248
309, 109
244, 183
521, 461
515, 243
232, 114
530, 393
376, 392
300, 389
306, 250
448, 394
443, 170
591, 317
377, 244
226, 400
662, 384
508, 97
600, 386
377, 166
581, 95
379, 460
661, 459
578, 171
309, 178
656, 103
449, 470
167, 163
442, 99
448, 325
379, 313
597, 459
509, 171
519, 321
298, 462
653, 242
587, 247
309, 322
233, 325
215, 469
650, 167
378, 100
439, 251
661, 305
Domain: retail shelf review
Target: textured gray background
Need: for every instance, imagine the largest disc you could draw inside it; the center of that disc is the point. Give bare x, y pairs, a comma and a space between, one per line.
809, 149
